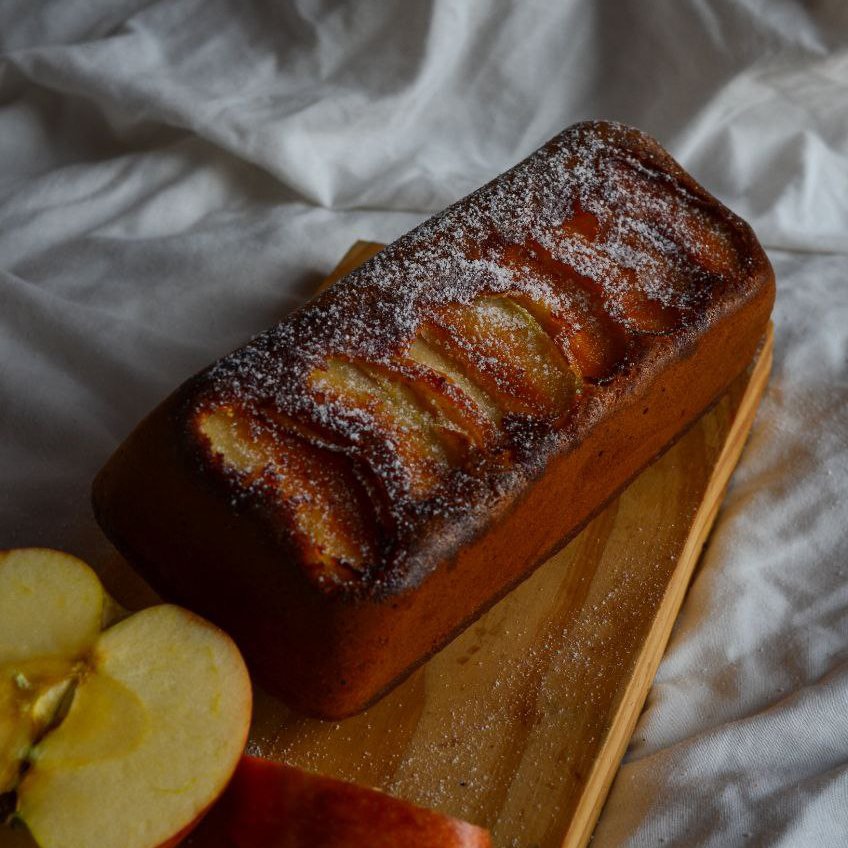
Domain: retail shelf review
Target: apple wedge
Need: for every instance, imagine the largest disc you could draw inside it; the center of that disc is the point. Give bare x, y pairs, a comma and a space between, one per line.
119, 737
271, 805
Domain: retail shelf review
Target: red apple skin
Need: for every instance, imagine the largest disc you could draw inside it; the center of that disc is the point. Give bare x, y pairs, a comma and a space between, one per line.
179, 838
270, 805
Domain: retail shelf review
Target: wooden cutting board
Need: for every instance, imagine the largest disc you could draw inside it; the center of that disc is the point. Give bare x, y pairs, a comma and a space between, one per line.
521, 722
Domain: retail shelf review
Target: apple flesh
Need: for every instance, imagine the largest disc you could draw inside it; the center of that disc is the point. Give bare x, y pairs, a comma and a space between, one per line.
52, 609
271, 805
119, 737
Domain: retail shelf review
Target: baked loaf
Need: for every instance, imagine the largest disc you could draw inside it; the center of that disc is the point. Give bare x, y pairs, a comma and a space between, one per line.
356, 485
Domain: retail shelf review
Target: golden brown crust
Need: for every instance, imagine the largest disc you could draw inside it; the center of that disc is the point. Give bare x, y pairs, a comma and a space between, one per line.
497, 374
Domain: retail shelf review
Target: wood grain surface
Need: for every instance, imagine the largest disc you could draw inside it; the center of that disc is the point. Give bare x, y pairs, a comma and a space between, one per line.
521, 722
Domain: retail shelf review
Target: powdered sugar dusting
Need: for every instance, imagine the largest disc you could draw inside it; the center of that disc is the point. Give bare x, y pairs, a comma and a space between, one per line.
598, 241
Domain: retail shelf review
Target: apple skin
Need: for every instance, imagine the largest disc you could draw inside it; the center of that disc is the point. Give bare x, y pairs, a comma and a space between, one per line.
179, 838
272, 805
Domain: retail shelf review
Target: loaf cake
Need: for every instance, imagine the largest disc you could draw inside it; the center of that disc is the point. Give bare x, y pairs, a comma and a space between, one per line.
353, 487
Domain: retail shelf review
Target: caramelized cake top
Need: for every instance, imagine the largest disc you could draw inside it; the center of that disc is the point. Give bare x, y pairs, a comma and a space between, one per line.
380, 426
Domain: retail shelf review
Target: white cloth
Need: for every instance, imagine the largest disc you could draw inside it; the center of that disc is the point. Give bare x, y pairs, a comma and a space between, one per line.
176, 175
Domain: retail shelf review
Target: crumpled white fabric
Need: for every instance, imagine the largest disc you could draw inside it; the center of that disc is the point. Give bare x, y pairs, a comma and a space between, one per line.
175, 175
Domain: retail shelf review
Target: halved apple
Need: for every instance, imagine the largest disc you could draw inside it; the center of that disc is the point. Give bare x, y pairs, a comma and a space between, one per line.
115, 738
